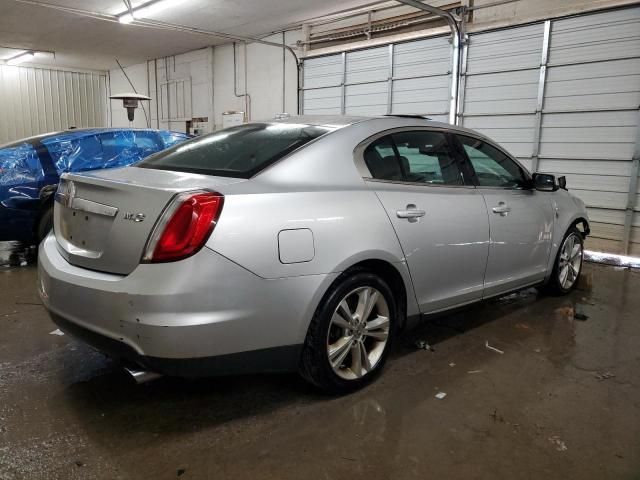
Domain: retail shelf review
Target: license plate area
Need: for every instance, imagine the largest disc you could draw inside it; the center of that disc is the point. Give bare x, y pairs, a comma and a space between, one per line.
85, 233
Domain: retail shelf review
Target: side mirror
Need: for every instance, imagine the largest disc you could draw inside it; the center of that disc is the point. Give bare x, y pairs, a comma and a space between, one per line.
544, 182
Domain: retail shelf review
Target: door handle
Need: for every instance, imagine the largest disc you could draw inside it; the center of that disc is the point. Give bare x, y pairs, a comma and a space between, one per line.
412, 213
503, 209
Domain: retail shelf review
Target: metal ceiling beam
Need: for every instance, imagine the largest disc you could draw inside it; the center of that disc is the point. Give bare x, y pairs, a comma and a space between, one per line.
455, 44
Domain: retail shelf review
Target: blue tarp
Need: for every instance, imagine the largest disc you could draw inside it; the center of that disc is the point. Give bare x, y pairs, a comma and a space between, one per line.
20, 164
71, 152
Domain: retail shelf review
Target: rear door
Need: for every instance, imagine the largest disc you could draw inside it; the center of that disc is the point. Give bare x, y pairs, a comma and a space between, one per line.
520, 218
440, 219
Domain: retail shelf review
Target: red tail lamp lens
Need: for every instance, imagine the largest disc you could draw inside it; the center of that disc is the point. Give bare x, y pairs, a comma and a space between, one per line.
189, 226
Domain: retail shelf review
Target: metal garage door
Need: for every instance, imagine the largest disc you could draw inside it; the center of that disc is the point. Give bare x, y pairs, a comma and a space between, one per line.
409, 77
590, 118
36, 100
500, 88
563, 97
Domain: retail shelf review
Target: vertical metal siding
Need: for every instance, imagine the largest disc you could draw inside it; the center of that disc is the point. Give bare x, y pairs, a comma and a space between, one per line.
590, 116
422, 77
36, 100
501, 87
410, 77
571, 110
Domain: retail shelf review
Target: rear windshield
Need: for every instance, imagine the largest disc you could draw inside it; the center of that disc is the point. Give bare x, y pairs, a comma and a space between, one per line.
240, 151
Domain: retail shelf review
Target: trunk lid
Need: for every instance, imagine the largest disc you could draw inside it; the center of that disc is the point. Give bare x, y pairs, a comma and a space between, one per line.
103, 219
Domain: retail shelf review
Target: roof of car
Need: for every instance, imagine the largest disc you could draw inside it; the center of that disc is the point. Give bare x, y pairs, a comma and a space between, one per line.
390, 121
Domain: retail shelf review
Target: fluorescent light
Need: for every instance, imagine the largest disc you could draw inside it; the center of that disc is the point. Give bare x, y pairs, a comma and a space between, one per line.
155, 7
147, 9
23, 57
126, 18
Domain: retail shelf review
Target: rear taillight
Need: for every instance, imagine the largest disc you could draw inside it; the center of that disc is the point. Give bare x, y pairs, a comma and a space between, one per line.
184, 227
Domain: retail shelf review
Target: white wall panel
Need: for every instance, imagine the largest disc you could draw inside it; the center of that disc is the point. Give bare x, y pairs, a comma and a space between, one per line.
588, 119
592, 72
421, 95
323, 71
584, 166
368, 65
431, 56
366, 99
607, 85
598, 36
38, 100
420, 82
509, 92
322, 101
501, 85
505, 50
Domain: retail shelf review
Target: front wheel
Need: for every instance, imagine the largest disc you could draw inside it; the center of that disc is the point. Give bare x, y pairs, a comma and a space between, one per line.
568, 265
349, 336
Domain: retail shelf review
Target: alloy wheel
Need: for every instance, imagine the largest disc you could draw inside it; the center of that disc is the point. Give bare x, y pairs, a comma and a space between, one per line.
570, 261
358, 333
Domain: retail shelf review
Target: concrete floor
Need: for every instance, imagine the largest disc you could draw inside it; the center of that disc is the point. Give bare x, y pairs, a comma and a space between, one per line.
563, 401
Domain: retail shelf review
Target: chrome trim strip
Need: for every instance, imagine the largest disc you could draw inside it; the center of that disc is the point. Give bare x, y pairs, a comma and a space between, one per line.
93, 207
84, 205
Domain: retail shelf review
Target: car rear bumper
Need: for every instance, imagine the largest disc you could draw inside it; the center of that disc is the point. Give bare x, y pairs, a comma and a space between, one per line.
276, 359
199, 316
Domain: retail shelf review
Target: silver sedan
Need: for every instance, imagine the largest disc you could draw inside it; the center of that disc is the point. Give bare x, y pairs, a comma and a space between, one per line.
300, 244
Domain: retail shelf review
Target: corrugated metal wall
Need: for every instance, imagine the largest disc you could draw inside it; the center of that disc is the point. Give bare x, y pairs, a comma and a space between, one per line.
409, 77
500, 87
563, 96
36, 100
590, 117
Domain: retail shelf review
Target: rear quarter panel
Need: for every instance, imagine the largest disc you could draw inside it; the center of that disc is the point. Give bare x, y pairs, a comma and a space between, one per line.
347, 227
317, 188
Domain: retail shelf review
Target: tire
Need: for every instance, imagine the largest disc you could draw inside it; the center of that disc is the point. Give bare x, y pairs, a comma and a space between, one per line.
337, 326
45, 224
559, 284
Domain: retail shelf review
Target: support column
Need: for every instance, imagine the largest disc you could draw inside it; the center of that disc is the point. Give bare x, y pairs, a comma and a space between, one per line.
390, 82
342, 84
542, 79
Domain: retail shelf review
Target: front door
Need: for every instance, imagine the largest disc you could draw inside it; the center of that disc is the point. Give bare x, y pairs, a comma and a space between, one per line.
440, 219
520, 218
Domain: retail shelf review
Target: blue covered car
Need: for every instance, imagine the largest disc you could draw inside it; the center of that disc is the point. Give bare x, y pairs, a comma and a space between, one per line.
30, 170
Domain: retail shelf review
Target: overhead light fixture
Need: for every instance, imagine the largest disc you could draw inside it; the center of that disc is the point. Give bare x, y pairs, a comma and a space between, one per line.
147, 9
23, 57
126, 18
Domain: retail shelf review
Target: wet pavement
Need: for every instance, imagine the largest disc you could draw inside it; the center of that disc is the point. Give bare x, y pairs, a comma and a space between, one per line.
561, 401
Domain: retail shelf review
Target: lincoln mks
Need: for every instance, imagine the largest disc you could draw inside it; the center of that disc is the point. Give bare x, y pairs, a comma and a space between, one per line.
304, 244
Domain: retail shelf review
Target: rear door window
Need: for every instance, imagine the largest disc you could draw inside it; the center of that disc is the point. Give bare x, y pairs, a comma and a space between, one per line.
416, 156
240, 151
427, 158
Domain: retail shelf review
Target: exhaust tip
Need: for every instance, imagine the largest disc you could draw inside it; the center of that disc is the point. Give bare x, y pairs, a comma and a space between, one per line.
142, 376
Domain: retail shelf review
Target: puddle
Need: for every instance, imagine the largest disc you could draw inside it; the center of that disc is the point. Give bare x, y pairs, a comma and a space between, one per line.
17, 254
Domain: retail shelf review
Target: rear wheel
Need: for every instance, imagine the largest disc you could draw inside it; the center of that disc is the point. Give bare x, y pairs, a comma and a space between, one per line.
45, 224
568, 265
349, 336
